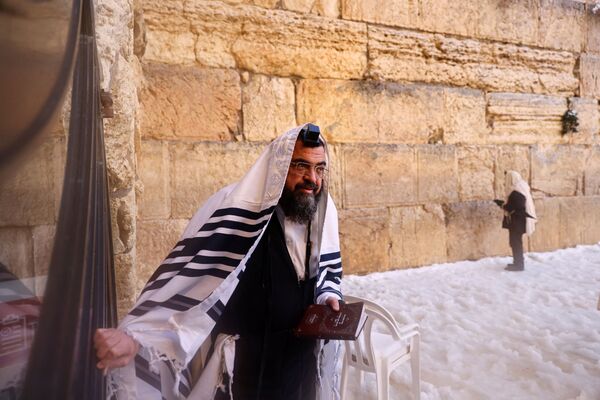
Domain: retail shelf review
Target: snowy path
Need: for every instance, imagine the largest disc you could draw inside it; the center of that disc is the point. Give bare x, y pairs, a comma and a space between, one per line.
492, 334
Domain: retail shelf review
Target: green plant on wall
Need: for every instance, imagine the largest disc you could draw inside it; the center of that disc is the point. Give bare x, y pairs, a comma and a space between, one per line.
570, 122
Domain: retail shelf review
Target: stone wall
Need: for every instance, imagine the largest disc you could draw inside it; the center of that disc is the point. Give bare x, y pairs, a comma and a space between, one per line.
425, 104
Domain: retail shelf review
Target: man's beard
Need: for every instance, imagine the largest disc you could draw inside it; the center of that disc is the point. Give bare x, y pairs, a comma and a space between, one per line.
298, 206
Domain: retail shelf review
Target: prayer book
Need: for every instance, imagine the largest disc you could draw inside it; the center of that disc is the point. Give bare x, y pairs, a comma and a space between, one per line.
321, 322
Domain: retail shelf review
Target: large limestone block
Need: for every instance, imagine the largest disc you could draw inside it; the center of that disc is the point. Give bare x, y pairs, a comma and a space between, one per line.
547, 228
592, 40
525, 118
379, 175
591, 219
476, 172
413, 56
509, 158
154, 200
328, 8
464, 116
16, 251
562, 25
276, 42
589, 72
474, 230
401, 13
437, 173
155, 239
268, 107
27, 191
169, 38
557, 170
449, 16
199, 170
513, 21
588, 112
592, 172
376, 112
189, 102
418, 236
365, 240
371, 112
572, 221
288, 44
335, 174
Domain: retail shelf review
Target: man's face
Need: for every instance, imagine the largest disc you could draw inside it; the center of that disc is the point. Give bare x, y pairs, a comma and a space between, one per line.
303, 184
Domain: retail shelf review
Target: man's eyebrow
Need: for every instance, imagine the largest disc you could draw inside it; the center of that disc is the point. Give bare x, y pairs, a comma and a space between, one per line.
308, 162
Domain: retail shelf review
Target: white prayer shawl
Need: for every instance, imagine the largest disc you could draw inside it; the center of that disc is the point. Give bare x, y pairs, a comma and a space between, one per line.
514, 182
182, 301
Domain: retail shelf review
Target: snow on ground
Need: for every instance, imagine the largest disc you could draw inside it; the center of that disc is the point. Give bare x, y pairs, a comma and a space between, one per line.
487, 333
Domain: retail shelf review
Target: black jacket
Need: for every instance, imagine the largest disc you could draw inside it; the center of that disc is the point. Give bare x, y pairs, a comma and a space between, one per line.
515, 221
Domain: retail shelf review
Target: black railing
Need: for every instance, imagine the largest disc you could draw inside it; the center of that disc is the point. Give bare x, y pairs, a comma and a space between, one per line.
79, 295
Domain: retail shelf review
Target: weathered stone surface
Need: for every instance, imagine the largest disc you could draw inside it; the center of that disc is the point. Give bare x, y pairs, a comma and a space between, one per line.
125, 275
189, 102
476, 172
448, 16
418, 236
328, 8
375, 112
154, 241
335, 174
474, 230
198, 171
365, 240
123, 221
401, 13
588, 112
464, 116
571, 217
513, 21
154, 200
27, 193
268, 107
562, 24
437, 174
590, 219
591, 177
525, 118
433, 58
557, 170
547, 230
319, 47
592, 40
43, 243
509, 158
378, 175
177, 48
589, 71
16, 251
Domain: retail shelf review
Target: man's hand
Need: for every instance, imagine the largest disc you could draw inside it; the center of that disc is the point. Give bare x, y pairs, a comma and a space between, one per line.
333, 303
114, 348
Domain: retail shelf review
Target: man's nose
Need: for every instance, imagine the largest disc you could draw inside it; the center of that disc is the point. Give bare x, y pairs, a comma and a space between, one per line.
311, 175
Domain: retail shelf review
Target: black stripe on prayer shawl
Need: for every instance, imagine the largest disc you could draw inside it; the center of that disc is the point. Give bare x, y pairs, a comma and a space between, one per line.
216, 310
216, 242
178, 303
142, 371
237, 225
207, 260
216, 272
240, 212
329, 256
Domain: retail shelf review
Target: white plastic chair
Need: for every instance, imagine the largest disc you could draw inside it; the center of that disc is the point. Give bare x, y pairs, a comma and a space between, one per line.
381, 353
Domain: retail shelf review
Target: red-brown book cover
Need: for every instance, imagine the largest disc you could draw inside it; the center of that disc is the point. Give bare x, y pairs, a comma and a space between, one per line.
321, 322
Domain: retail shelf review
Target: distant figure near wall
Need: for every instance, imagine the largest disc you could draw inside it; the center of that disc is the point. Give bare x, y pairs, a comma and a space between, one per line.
519, 216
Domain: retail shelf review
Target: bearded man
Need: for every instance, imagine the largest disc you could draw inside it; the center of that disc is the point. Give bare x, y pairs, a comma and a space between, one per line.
216, 319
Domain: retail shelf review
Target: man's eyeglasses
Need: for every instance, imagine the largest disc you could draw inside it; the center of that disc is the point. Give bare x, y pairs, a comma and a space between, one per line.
303, 168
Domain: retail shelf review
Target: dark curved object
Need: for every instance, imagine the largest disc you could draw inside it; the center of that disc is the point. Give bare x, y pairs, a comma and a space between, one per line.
79, 296
38, 42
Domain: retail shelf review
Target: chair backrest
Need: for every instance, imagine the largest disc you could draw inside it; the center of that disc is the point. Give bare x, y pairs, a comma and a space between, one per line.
359, 352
